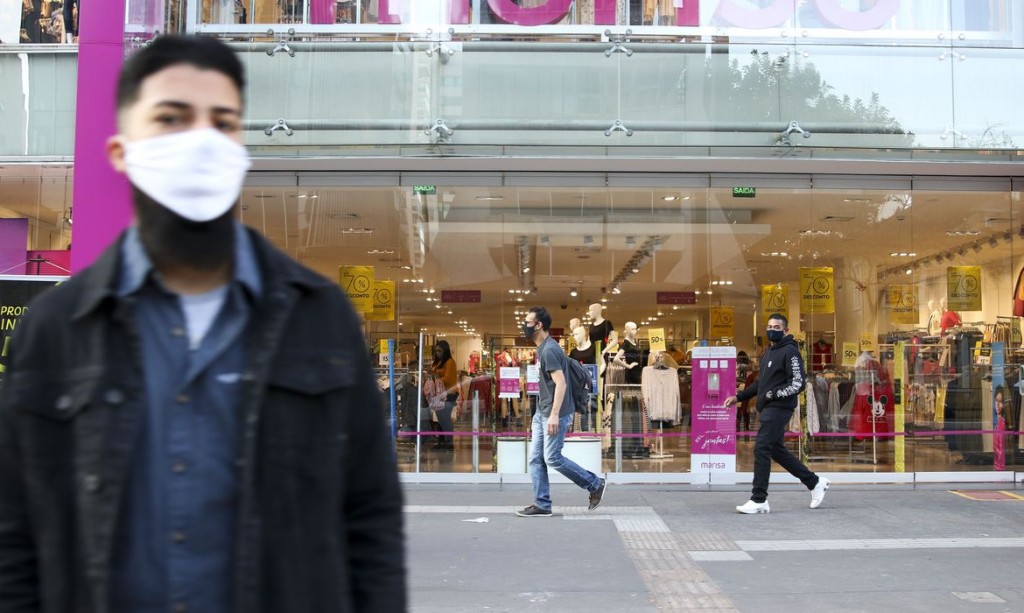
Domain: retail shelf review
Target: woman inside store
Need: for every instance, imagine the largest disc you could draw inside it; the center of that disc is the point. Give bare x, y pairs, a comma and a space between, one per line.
443, 367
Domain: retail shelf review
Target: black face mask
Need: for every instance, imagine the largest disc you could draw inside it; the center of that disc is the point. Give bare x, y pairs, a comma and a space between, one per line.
776, 335
528, 330
169, 238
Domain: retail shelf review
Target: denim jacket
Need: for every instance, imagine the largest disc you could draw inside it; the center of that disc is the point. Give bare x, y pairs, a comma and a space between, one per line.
319, 526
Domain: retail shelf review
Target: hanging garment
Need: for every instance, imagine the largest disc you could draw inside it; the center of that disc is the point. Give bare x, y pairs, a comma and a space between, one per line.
1018, 295
813, 423
660, 387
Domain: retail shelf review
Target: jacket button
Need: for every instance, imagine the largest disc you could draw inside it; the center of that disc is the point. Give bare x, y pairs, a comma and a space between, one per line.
91, 483
114, 396
63, 402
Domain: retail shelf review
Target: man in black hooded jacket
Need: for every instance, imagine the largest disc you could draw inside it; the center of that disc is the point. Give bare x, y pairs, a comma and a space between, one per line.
777, 389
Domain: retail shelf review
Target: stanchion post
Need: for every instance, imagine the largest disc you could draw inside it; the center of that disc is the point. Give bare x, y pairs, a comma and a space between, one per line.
476, 431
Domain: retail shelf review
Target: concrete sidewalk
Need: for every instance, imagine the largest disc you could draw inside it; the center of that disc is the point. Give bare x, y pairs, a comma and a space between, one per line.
675, 548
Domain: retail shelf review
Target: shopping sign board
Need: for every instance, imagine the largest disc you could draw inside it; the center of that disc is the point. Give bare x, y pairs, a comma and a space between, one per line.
774, 299
456, 296
676, 298
721, 13
713, 442
16, 291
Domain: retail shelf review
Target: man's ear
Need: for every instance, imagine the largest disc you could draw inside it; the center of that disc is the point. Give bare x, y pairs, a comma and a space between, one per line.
115, 152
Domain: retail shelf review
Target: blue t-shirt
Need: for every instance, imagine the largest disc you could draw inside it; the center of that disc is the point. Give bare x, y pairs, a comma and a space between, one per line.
551, 358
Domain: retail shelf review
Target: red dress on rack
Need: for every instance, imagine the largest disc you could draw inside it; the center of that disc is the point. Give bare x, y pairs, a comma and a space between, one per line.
872, 403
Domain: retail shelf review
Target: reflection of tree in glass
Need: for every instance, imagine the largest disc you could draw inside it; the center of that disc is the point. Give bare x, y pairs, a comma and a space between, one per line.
994, 137
770, 87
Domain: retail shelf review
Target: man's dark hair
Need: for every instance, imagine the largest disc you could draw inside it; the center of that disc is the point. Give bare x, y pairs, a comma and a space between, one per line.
780, 317
541, 314
170, 50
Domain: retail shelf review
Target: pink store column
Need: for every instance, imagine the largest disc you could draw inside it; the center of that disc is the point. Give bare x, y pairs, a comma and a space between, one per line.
102, 200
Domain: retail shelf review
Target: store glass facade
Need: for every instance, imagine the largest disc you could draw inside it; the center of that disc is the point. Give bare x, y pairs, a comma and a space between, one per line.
456, 257
681, 166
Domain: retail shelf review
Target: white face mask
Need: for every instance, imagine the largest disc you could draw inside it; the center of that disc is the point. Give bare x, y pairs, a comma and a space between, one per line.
197, 174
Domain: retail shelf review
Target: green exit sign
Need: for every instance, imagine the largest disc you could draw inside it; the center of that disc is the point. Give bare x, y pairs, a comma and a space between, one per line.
744, 192
425, 190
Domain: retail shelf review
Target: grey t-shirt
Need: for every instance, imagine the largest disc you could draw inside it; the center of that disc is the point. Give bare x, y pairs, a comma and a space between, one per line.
551, 357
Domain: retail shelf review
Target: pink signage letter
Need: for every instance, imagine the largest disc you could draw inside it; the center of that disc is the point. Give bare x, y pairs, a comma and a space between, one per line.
688, 12
604, 13
837, 16
549, 12
771, 16
458, 11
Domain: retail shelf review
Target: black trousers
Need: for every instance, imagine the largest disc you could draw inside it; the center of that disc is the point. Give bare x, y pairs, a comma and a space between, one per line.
770, 446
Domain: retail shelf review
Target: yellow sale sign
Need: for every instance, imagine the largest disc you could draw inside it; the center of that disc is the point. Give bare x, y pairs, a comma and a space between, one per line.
722, 321
817, 290
850, 353
963, 288
656, 337
774, 299
902, 301
357, 283
383, 301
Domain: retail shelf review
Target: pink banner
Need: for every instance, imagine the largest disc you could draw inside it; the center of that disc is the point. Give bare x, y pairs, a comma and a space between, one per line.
13, 242
102, 198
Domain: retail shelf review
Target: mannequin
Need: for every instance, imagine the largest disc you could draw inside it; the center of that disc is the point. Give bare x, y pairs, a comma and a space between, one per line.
634, 420
950, 319
934, 317
585, 352
600, 328
573, 324
629, 355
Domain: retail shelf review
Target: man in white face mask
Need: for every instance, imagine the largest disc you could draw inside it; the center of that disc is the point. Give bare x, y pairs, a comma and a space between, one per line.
186, 424
181, 147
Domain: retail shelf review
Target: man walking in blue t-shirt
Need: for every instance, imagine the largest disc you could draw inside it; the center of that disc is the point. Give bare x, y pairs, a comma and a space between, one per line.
550, 424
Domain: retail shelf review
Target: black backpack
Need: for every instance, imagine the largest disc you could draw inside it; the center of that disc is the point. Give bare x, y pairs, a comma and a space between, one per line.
579, 384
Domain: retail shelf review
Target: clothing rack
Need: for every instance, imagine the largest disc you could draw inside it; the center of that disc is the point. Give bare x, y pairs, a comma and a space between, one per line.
638, 422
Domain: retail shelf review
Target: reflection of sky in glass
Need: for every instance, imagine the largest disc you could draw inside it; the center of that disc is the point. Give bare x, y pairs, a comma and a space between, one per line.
925, 94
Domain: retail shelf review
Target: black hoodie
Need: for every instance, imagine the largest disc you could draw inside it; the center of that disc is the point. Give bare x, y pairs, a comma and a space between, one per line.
781, 379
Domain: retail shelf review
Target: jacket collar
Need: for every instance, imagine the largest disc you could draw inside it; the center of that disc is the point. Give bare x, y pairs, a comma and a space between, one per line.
275, 269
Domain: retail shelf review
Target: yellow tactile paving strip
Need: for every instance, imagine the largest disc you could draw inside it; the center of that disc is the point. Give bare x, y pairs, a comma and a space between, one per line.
988, 495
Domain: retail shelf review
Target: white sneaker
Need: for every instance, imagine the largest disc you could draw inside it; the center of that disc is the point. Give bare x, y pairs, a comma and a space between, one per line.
818, 493
750, 507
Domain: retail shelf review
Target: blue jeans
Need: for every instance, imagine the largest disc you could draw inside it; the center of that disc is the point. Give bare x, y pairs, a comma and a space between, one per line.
546, 451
